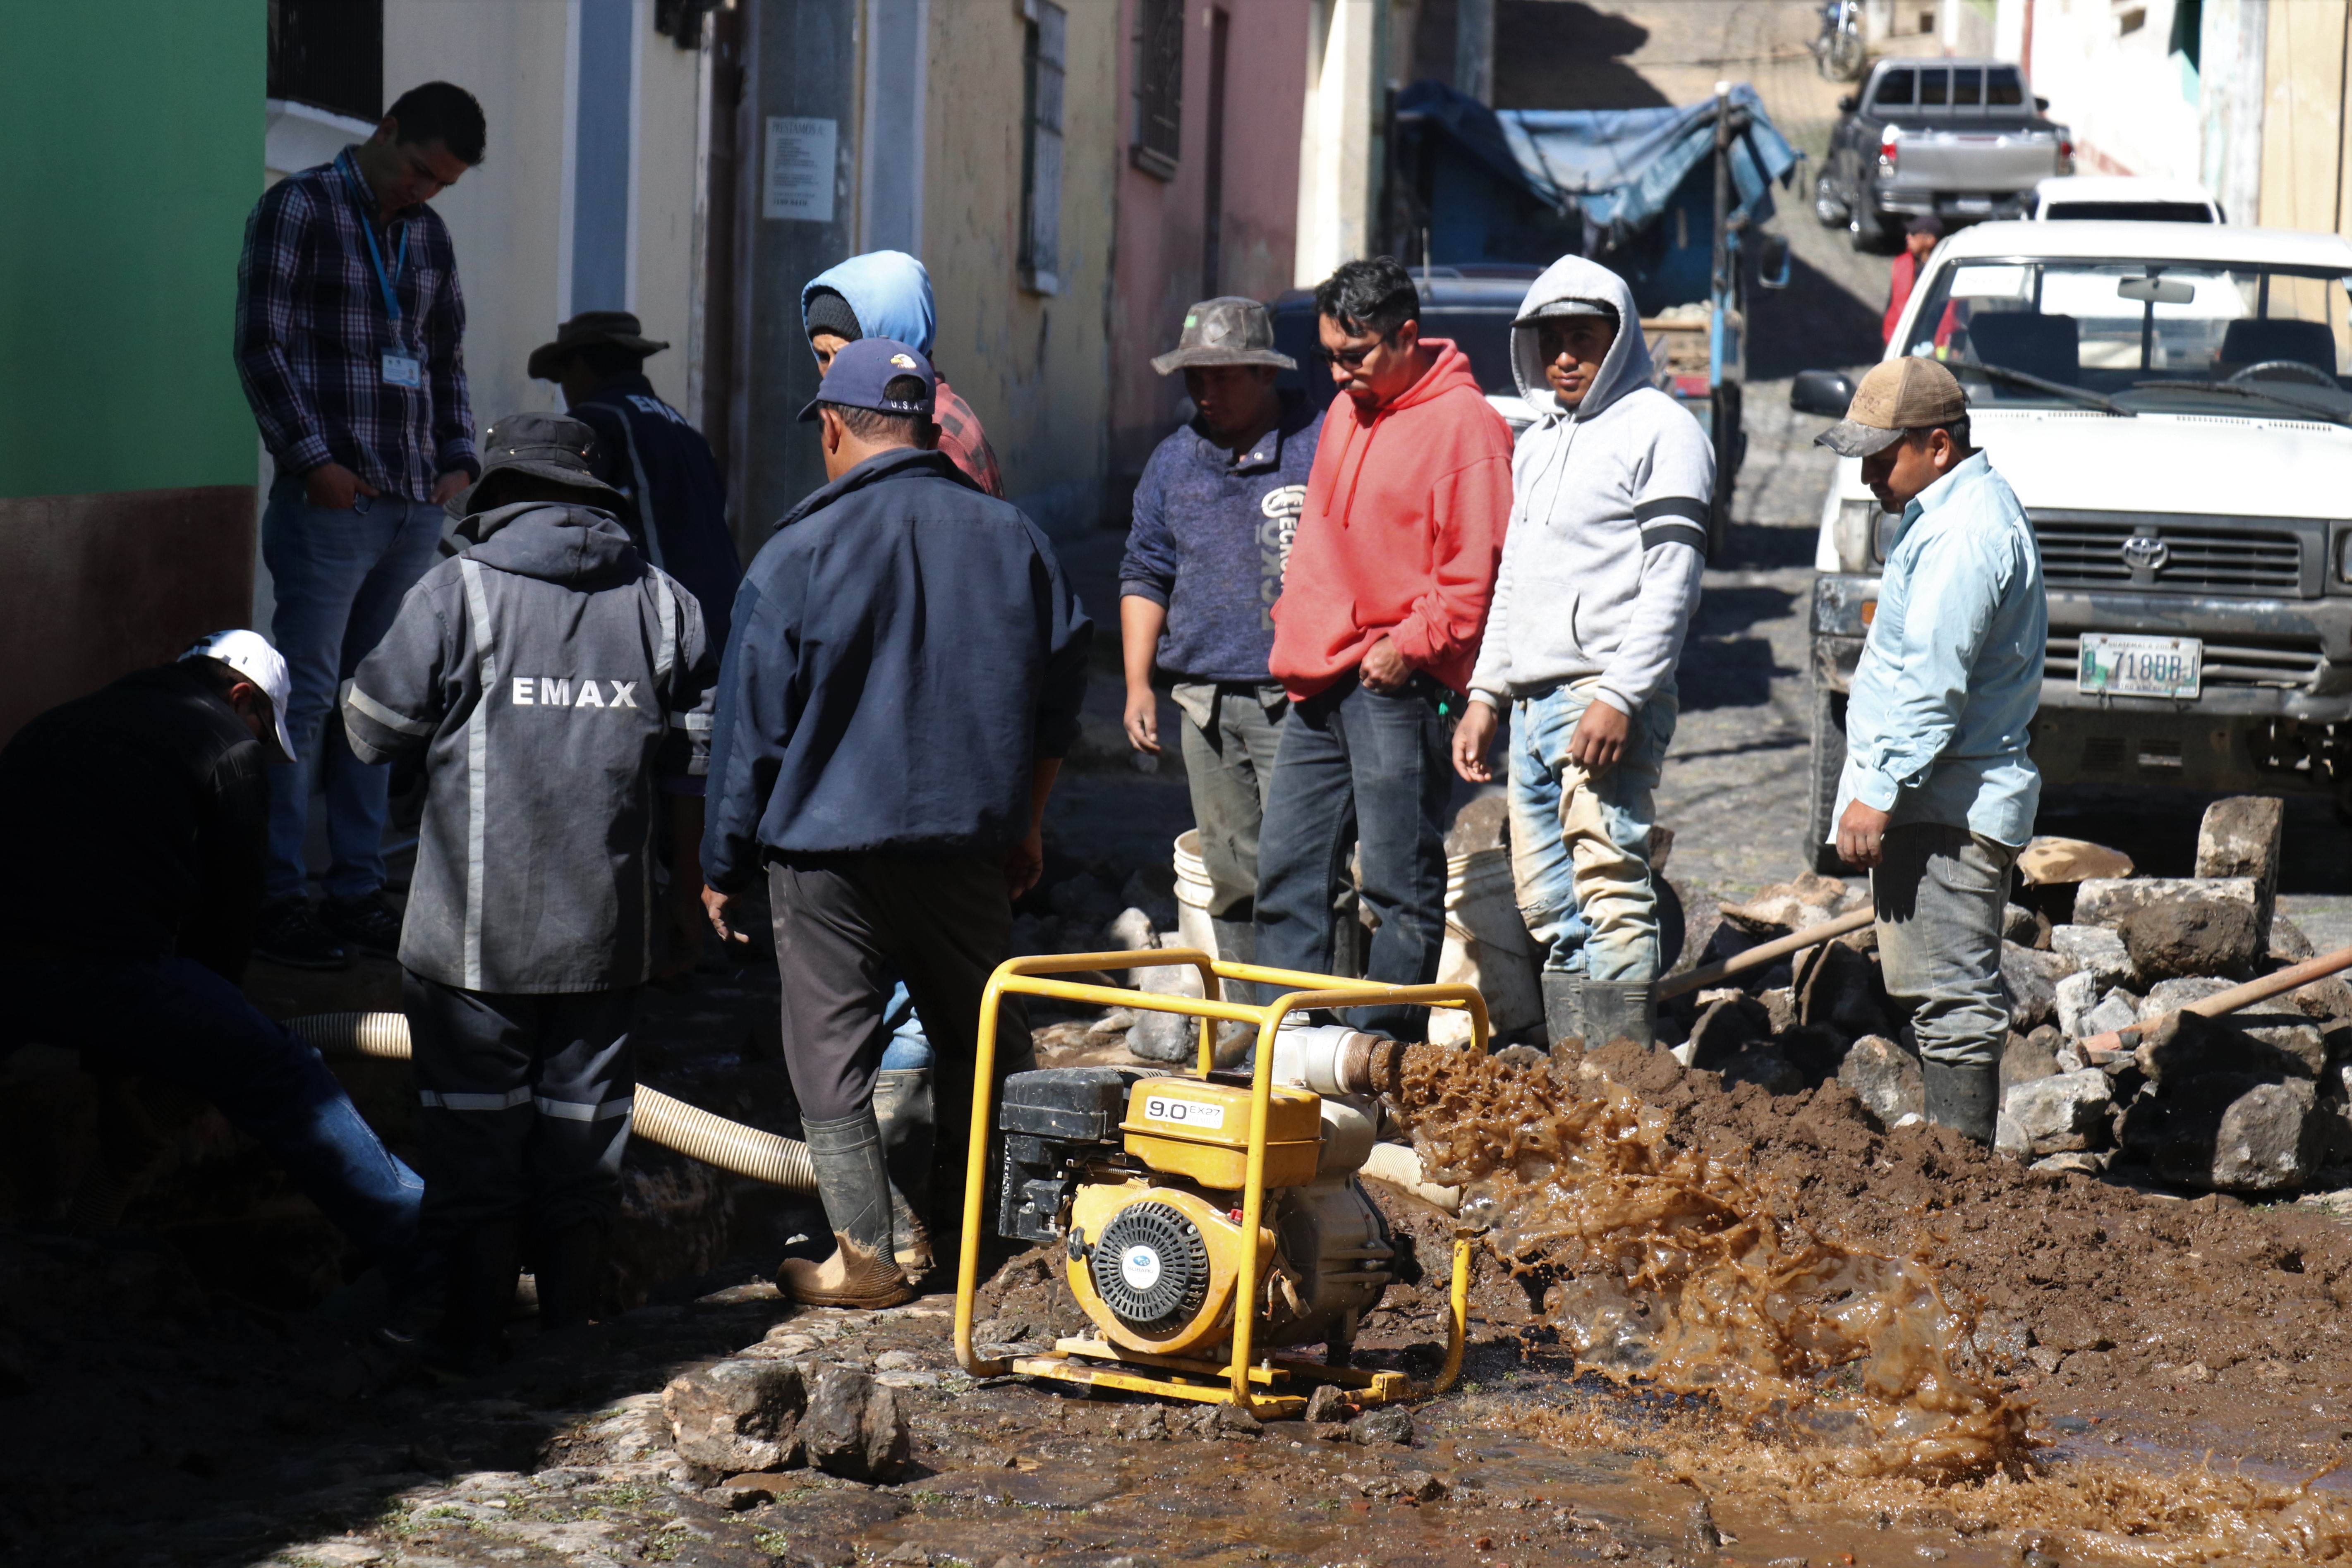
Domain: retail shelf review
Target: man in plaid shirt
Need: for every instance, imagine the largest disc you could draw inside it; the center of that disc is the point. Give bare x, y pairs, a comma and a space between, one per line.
349, 342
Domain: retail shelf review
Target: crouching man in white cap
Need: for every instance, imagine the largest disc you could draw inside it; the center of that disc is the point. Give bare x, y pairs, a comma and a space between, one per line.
128, 906
1939, 794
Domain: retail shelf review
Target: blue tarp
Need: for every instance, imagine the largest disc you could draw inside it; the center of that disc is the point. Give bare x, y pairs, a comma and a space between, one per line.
1618, 168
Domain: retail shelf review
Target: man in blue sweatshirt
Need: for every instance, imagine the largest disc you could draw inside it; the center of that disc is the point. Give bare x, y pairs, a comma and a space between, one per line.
1215, 513
902, 681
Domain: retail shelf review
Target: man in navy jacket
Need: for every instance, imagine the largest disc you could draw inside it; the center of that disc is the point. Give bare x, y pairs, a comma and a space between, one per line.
902, 678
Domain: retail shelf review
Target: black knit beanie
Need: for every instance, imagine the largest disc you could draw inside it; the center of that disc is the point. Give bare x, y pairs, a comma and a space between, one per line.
828, 312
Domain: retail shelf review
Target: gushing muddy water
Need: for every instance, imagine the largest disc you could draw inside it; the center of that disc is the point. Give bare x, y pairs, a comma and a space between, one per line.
1666, 1264
1842, 1384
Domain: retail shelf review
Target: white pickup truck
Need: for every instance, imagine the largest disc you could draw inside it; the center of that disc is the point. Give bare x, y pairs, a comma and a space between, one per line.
2170, 402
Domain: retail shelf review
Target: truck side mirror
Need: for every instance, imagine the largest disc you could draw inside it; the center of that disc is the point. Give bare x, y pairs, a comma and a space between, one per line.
1849, 103
1772, 260
2040, 104
1829, 393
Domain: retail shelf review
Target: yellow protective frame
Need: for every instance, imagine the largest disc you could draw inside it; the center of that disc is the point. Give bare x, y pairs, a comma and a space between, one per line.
1031, 977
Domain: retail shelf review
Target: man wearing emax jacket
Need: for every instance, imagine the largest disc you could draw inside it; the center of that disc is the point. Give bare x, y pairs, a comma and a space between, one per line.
1600, 579
548, 674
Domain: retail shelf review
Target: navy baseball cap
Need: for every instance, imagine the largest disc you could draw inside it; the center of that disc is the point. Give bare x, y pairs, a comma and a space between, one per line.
862, 369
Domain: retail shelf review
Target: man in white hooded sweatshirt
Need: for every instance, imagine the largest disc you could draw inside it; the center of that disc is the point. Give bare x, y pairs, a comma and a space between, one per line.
1600, 578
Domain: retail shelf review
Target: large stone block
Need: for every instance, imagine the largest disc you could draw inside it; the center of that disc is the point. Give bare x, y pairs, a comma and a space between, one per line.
854, 1428
2231, 1132
2025, 1058
1885, 1078
2052, 1115
2072, 999
2241, 838
2180, 1046
2179, 925
2096, 950
737, 1415
2172, 995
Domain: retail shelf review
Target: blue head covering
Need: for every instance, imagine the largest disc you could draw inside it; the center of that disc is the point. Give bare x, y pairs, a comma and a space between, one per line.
889, 291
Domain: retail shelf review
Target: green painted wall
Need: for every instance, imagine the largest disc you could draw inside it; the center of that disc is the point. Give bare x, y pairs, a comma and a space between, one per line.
135, 131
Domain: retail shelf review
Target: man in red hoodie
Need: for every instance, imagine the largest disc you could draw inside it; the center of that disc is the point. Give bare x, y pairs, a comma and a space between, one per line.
1382, 606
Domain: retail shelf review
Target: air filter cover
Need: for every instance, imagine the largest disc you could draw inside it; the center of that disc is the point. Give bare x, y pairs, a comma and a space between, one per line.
1151, 1266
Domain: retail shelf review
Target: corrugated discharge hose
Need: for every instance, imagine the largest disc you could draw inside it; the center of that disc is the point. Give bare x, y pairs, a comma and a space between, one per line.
672, 1123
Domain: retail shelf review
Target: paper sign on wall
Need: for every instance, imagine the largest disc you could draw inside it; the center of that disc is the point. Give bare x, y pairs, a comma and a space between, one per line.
800, 169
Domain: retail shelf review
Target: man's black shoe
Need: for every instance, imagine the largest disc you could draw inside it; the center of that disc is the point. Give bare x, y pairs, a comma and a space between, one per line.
371, 923
291, 935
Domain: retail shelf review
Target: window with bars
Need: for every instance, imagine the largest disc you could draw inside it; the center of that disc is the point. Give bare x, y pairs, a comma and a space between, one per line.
1044, 57
1158, 87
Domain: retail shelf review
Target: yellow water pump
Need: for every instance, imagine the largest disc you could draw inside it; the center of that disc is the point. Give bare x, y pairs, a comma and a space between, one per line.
1205, 1217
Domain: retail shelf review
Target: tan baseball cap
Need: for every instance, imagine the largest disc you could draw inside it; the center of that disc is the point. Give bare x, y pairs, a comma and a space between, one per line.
1913, 393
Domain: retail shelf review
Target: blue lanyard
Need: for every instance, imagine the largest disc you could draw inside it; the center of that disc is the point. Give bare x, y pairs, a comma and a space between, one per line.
376, 257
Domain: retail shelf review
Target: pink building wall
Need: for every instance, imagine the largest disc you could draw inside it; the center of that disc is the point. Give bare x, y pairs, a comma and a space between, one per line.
1162, 223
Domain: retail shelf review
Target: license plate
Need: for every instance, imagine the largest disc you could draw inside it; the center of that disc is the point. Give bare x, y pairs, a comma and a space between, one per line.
1972, 203
2140, 667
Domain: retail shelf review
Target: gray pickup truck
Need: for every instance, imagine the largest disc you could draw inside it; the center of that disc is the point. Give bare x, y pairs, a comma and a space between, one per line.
1964, 140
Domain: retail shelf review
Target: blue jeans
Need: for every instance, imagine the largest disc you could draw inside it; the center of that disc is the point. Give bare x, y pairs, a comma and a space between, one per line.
339, 577
174, 1019
1358, 768
1580, 844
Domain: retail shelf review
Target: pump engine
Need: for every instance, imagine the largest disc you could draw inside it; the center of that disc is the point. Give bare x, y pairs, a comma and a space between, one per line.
1139, 1175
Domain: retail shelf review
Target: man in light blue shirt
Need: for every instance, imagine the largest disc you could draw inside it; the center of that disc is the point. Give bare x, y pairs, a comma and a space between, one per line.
1939, 794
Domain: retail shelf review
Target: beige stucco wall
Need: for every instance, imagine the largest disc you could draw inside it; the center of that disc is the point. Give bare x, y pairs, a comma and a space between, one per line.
2125, 95
1162, 223
508, 216
1034, 367
2303, 142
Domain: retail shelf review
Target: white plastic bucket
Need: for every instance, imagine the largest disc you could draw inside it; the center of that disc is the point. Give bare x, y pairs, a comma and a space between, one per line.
1193, 895
1487, 946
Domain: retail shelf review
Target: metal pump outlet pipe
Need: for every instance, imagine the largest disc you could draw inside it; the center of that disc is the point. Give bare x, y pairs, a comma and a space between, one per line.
672, 1123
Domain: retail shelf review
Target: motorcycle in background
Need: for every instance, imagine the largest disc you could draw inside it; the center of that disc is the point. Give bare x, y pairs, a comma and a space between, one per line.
1837, 48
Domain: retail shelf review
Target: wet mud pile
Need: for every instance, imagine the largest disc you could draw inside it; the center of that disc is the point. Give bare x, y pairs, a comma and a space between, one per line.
1664, 1261
1873, 1315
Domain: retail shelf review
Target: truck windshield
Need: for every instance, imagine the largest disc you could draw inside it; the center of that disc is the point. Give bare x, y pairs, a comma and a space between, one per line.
2131, 212
2152, 334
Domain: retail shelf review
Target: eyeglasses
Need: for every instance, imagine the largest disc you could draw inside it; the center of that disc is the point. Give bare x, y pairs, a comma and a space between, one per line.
1349, 359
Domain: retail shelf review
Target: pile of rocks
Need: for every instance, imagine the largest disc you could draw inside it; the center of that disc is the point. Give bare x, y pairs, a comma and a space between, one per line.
2256, 1101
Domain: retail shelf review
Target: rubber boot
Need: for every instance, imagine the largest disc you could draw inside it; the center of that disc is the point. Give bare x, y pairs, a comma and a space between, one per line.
1620, 1010
1964, 1098
1563, 1005
570, 1263
902, 1109
484, 1259
854, 1184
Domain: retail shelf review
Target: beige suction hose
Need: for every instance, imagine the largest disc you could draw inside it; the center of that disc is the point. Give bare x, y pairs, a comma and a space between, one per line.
672, 1123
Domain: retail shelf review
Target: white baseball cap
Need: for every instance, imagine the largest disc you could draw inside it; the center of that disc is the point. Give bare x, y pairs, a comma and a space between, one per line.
250, 655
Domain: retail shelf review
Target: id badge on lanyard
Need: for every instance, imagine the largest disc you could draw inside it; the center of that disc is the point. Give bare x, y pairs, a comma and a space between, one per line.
400, 368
